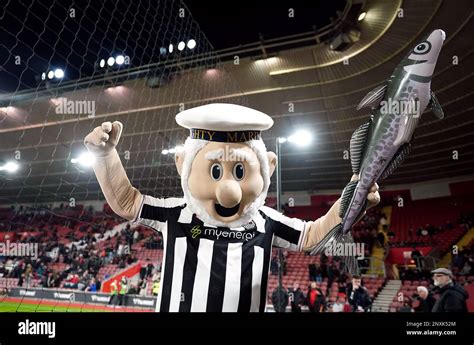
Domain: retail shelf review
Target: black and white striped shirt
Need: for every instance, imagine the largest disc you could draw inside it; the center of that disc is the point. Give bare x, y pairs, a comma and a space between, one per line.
208, 268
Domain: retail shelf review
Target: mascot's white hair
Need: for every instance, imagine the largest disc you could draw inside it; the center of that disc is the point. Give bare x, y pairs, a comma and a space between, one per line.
190, 150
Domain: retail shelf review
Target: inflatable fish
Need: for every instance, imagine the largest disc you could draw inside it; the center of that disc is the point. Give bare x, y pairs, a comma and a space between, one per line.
380, 145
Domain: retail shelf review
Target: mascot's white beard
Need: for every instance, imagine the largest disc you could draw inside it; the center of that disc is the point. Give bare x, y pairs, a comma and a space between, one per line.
190, 150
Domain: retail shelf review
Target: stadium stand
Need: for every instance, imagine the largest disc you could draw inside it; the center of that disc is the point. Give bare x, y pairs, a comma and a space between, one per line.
81, 248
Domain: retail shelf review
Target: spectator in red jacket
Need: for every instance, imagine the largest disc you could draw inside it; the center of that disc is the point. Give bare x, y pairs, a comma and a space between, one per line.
315, 298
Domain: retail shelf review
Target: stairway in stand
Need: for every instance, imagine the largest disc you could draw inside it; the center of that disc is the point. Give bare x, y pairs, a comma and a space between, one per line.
386, 296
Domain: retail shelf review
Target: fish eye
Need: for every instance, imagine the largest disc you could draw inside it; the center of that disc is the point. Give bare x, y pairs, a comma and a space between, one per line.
216, 171
422, 48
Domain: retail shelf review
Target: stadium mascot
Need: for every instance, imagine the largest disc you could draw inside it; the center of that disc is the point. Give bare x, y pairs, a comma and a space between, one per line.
218, 238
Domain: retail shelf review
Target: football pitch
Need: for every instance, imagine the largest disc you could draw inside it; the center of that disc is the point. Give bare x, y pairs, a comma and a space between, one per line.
44, 308
13, 305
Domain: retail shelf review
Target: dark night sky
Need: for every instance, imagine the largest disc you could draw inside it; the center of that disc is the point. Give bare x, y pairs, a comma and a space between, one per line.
228, 26
42, 33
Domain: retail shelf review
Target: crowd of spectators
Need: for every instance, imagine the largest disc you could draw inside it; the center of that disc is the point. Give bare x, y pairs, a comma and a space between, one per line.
87, 248
352, 297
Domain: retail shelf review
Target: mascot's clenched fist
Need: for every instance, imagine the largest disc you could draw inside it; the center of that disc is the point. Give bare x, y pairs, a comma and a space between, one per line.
103, 139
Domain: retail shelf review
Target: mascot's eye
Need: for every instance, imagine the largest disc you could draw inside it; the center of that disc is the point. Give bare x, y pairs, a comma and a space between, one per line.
216, 171
238, 171
422, 48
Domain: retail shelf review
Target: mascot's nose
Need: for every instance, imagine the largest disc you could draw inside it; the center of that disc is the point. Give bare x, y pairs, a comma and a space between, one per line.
228, 193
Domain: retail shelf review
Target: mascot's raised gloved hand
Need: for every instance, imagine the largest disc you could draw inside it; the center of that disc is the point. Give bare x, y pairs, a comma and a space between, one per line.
373, 197
122, 197
320, 228
103, 139
326, 232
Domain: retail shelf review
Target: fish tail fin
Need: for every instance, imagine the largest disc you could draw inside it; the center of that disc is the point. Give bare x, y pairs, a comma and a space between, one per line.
333, 235
330, 241
350, 261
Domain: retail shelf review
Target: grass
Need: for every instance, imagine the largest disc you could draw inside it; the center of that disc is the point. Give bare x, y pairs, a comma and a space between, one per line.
31, 308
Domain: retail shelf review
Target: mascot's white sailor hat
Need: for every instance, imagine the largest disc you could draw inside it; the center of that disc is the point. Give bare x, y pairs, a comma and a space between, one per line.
224, 122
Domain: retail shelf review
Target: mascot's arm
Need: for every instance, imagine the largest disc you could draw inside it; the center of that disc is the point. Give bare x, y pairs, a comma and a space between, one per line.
123, 198
315, 231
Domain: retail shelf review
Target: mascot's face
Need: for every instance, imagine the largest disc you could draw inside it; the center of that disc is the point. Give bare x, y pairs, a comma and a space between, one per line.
226, 178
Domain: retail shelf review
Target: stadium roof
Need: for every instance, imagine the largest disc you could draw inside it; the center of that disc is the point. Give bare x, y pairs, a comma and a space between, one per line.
313, 79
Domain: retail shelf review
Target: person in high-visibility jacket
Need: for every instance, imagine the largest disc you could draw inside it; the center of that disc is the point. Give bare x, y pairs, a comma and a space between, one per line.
123, 290
113, 292
156, 287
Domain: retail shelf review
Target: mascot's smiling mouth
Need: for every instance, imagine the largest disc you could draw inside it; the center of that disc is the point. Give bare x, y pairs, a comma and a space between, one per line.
226, 212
